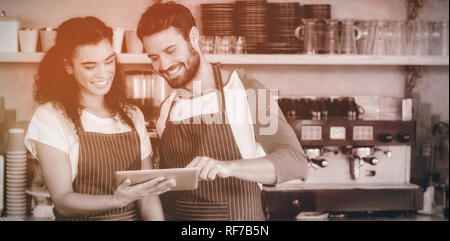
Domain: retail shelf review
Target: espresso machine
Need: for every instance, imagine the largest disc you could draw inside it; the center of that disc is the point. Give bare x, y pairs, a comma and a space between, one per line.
355, 165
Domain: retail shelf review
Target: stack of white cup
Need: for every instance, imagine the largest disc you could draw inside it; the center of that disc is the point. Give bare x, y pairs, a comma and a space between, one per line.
16, 174
2, 184
132, 42
118, 39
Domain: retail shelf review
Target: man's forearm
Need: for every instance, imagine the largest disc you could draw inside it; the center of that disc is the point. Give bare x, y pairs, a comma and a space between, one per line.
259, 170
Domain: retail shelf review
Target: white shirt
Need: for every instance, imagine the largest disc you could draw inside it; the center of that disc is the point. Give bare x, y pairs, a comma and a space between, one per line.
237, 110
49, 126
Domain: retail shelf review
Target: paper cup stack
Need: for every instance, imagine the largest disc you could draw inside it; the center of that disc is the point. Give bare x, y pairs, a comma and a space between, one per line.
16, 174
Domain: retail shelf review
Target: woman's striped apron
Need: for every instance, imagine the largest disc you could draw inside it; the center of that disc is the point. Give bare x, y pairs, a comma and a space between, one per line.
221, 199
100, 156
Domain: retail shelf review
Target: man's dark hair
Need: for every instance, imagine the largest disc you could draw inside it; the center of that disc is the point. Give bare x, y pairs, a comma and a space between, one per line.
161, 16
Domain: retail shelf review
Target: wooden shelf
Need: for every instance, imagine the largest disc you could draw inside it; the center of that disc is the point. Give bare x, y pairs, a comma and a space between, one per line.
20, 57
267, 59
300, 59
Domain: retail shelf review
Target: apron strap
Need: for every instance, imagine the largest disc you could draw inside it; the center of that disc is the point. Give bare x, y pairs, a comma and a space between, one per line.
170, 110
219, 85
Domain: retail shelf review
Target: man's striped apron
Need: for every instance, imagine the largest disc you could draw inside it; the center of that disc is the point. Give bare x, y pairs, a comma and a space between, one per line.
221, 199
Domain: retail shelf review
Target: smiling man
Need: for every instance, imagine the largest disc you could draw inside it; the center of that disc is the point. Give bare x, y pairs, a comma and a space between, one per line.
233, 156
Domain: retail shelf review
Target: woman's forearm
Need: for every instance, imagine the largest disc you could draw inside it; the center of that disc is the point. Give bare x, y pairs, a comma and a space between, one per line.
151, 208
77, 204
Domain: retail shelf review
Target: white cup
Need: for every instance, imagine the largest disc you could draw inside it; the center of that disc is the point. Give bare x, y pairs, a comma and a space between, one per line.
117, 39
133, 43
28, 40
15, 140
48, 38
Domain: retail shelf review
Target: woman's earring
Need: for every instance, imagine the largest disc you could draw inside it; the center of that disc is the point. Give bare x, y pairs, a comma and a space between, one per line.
68, 68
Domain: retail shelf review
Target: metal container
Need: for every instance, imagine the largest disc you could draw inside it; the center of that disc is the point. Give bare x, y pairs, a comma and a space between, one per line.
160, 89
138, 85
147, 90
9, 27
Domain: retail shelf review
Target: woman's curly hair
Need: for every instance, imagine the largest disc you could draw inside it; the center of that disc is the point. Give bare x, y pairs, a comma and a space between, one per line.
53, 84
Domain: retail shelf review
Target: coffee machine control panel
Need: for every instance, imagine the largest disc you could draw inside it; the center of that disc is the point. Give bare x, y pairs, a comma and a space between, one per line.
337, 133
353, 132
311, 133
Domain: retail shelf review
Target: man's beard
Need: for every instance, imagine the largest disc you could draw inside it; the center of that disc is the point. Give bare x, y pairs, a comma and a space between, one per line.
190, 66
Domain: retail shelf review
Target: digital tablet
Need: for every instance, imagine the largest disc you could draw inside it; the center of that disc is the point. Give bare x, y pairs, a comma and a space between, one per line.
185, 178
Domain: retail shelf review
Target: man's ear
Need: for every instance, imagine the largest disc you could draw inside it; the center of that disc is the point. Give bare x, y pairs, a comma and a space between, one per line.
194, 36
68, 67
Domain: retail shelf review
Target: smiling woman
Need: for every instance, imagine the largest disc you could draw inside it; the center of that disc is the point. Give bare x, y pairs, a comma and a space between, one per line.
81, 57
84, 130
93, 67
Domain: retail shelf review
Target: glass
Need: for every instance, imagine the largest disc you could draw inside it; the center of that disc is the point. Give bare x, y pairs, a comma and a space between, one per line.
216, 47
320, 33
380, 44
422, 38
305, 33
388, 37
410, 32
227, 44
364, 44
206, 44
222, 45
350, 34
398, 38
239, 45
439, 38
332, 37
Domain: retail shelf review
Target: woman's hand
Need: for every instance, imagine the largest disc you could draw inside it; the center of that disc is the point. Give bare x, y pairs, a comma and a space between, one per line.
126, 194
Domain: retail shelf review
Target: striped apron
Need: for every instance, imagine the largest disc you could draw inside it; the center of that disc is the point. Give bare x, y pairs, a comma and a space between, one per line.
221, 199
100, 156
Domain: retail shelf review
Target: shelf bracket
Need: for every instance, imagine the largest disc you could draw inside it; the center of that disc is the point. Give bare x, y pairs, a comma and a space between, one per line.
412, 74
412, 8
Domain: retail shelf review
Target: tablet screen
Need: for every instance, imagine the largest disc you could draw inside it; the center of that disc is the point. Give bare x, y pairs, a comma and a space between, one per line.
185, 178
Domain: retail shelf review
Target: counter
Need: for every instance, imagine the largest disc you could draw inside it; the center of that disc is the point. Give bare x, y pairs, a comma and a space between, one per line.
284, 202
362, 216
